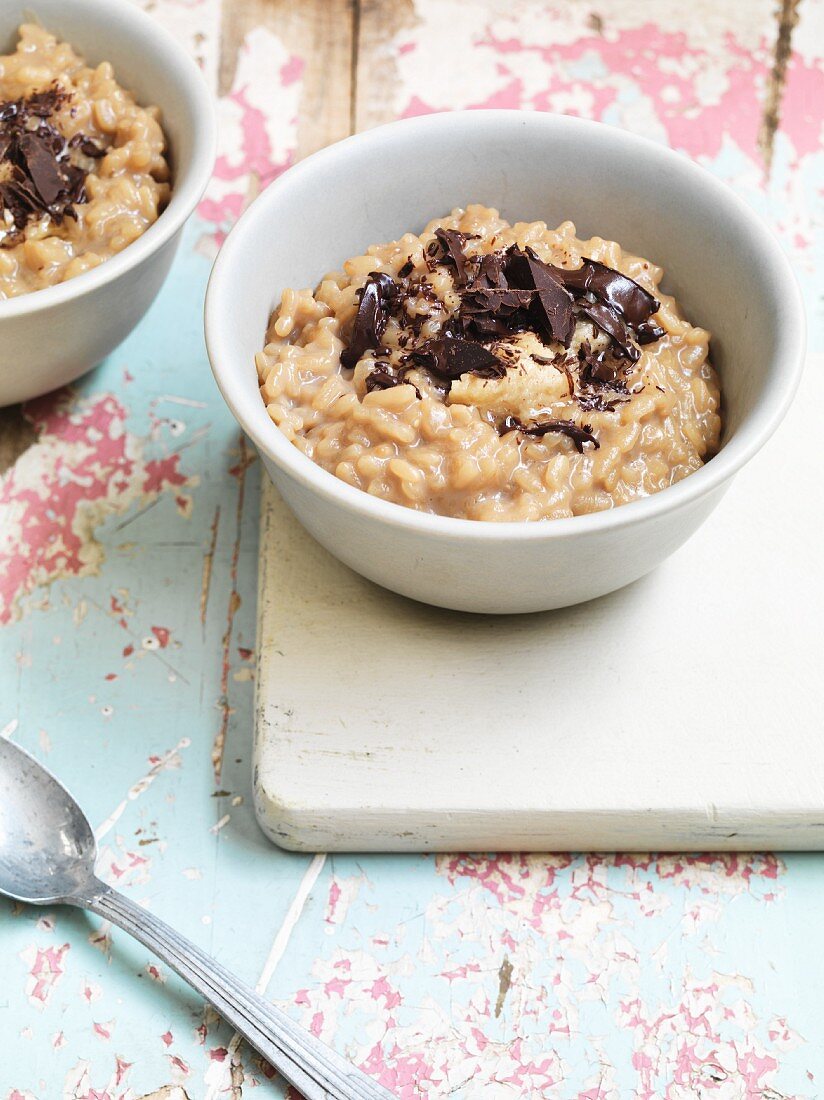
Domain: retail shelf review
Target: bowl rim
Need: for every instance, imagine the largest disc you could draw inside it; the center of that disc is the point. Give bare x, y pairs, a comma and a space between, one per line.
748, 439
191, 180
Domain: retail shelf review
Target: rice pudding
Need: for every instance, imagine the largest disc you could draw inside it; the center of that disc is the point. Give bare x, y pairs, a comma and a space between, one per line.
82, 165
491, 371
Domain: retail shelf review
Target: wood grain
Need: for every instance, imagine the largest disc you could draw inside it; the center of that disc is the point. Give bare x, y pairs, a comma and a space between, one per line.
787, 20
347, 80
16, 435
375, 76
318, 31
323, 34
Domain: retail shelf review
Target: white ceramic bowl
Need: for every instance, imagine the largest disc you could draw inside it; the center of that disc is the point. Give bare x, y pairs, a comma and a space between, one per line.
50, 337
725, 268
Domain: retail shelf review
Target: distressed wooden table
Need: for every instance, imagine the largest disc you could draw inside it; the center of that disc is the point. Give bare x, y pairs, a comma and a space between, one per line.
128, 551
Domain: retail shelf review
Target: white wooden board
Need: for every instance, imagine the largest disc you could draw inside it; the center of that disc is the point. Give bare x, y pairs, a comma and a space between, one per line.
684, 712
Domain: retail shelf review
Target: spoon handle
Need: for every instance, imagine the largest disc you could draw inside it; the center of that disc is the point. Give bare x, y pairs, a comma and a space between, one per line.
307, 1063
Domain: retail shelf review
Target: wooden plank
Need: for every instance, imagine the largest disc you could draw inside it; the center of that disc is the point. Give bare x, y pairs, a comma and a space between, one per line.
321, 33
375, 72
446, 732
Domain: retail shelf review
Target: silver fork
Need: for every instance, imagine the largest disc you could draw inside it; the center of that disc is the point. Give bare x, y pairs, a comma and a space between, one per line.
47, 857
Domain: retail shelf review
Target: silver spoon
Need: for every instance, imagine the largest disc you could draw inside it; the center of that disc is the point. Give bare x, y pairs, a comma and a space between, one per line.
47, 857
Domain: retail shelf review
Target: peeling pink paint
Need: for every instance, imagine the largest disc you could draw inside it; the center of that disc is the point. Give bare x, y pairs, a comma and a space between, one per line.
162, 634
46, 968
597, 74
249, 159
334, 898
292, 71
84, 467
177, 1063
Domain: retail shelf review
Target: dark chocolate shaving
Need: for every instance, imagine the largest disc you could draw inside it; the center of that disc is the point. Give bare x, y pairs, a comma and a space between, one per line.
452, 242
86, 146
370, 320
595, 367
611, 322
39, 177
40, 104
551, 307
564, 368
648, 332
488, 313
448, 357
611, 287
406, 269
382, 378
615, 303
596, 402
578, 433
598, 370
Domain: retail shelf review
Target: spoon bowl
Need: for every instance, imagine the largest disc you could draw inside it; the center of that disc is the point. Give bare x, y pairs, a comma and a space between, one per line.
47, 847
47, 855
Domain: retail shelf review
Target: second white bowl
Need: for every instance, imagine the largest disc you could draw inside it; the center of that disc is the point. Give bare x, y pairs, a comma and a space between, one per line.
52, 336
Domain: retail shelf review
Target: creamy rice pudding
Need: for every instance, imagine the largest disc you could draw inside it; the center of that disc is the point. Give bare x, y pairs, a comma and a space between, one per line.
494, 372
82, 166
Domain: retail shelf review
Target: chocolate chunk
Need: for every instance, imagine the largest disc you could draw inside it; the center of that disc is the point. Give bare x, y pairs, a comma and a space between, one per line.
610, 322
490, 273
615, 303
39, 177
613, 288
489, 312
452, 244
370, 320
406, 269
578, 433
488, 308
41, 166
552, 303
448, 357
516, 289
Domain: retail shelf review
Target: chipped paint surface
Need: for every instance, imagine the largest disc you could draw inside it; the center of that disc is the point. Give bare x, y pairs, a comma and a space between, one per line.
85, 467
127, 589
256, 143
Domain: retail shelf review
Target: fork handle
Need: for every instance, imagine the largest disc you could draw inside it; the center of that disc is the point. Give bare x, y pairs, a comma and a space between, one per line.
307, 1063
